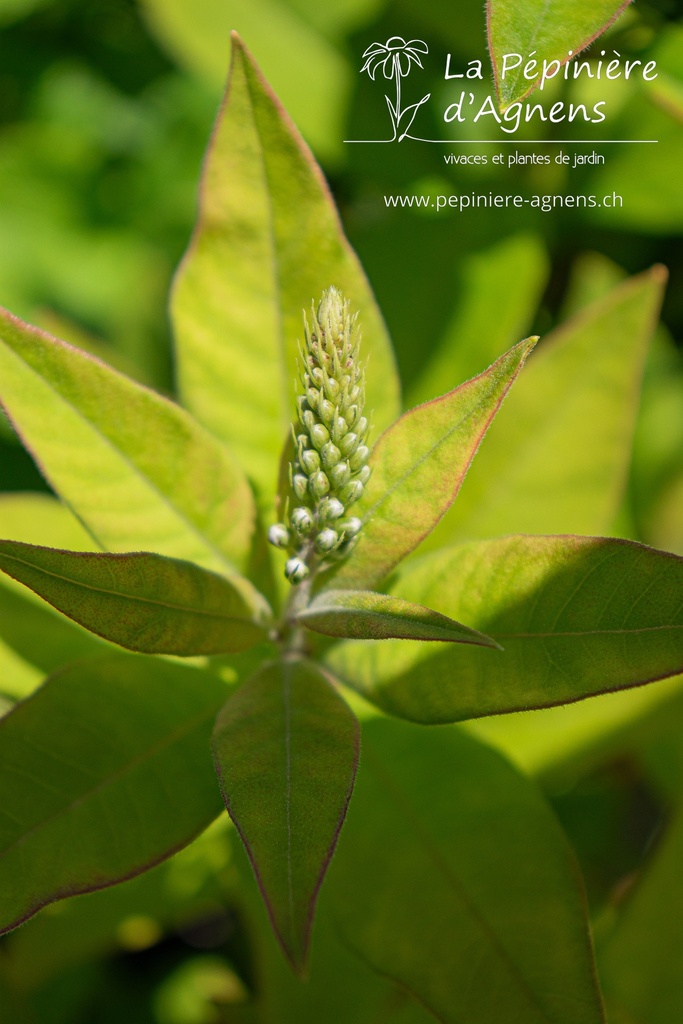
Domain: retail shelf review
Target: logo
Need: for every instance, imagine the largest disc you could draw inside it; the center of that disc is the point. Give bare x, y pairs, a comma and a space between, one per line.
396, 58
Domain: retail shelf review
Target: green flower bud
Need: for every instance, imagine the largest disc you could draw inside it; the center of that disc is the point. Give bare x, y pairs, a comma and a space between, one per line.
308, 419
330, 508
319, 485
352, 492
326, 411
364, 475
302, 521
312, 397
310, 461
331, 388
296, 570
361, 427
326, 540
339, 475
339, 428
359, 458
300, 486
330, 455
320, 435
318, 376
348, 444
278, 535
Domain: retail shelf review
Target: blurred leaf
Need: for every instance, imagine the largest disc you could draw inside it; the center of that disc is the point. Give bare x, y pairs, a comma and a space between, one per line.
576, 616
364, 615
593, 276
286, 750
497, 301
182, 890
13, 10
640, 958
197, 34
40, 517
133, 466
268, 242
550, 29
106, 772
418, 465
490, 913
557, 458
145, 602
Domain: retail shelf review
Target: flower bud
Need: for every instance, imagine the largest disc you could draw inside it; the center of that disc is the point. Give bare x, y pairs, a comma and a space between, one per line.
362, 426
326, 411
330, 455
312, 397
352, 492
330, 508
349, 527
319, 485
300, 486
309, 419
348, 444
319, 434
278, 535
339, 475
364, 474
326, 540
296, 570
331, 388
359, 458
310, 461
302, 521
339, 428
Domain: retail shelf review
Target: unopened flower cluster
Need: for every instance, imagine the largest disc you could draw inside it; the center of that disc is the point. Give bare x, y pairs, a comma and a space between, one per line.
330, 470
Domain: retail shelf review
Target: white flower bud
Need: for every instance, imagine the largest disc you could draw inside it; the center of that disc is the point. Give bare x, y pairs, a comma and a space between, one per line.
326, 540
339, 475
330, 508
310, 461
319, 485
300, 486
364, 474
352, 492
330, 455
348, 444
359, 458
278, 535
296, 570
349, 527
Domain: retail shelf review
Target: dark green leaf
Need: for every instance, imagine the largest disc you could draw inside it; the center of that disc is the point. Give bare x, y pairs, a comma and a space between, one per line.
454, 879
364, 615
268, 242
136, 469
576, 616
142, 601
106, 770
418, 465
549, 30
286, 749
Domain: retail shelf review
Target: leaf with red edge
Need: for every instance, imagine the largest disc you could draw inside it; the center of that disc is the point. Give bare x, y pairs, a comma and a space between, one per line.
418, 465
285, 748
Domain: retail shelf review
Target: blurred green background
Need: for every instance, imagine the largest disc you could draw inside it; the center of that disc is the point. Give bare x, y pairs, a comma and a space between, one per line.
105, 111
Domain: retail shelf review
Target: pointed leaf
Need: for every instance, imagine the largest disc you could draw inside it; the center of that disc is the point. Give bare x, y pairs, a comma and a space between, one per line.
552, 30
286, 749
576, 616
135, 468
557, 457
267, 243
478, 909
363, 615
106, 770
418, 466
142, 601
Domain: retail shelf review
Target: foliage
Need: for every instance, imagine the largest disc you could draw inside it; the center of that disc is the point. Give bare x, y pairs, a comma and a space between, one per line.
484, 869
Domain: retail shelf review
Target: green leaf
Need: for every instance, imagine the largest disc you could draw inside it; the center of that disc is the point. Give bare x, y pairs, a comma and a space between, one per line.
515, 271
641, 957
106, 771
364, 615
142, 601
549, 30
576, 616
286, 750
135, 468
268, 242
418, 465
557, 458
479, 906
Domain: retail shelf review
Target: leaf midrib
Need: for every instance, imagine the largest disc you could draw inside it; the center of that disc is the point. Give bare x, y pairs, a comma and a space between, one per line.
170, 606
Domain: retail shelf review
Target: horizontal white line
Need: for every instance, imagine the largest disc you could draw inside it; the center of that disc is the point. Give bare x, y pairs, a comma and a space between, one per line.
518, 142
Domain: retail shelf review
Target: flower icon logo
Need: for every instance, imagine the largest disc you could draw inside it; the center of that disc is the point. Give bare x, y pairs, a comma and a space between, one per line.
395, 58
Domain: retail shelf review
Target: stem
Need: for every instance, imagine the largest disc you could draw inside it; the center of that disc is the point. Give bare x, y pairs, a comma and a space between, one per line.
397, 69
